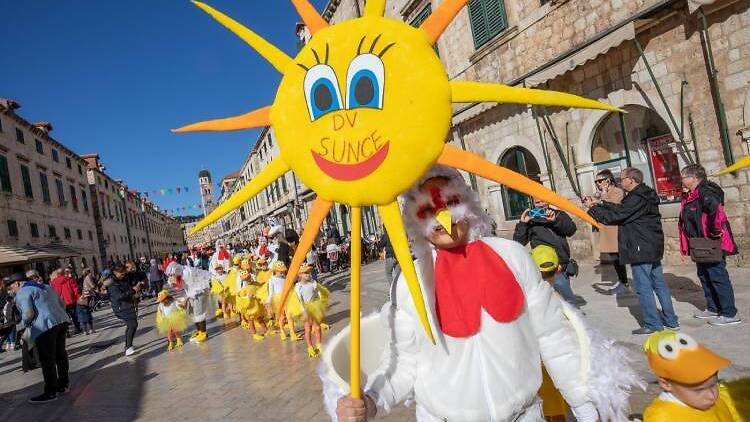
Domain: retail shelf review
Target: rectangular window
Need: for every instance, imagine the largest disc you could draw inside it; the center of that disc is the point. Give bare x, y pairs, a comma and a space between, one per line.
55, 156
12, 228
19, 136
74, 197
39, 146
85, 200
80, 170
1, 125
283, 184
52, 230
67, 232
68, 164
34, 230
79, 232
420, 17
60, 192
4, 175
26, 178
91, 235
45, 187
487, 20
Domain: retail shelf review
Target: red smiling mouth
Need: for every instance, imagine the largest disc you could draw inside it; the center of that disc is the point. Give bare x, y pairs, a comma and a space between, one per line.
348, 172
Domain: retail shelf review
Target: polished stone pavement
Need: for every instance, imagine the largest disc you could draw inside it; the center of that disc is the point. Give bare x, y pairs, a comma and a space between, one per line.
230, 378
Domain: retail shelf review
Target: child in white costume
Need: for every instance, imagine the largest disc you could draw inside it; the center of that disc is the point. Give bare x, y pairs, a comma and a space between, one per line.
491, 339
314, 300
171, 319
197, 286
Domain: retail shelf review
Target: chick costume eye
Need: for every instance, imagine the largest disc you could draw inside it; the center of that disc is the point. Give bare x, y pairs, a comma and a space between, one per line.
321, 91
686, 342
668, 349
364, 82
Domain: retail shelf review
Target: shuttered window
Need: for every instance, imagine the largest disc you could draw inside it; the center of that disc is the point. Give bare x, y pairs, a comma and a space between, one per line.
4, 175
487, 20
26, 178
420, 17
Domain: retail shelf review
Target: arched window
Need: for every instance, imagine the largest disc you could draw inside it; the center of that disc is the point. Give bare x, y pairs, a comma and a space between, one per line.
521, 161
648, 146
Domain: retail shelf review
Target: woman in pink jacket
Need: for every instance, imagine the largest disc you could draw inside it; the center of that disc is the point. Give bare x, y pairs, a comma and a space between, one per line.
67, 287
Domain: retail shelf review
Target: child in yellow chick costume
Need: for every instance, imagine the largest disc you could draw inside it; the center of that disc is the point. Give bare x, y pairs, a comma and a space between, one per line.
688, 375
314, 299
554, 406
242, 298
293, 308
219, 290
232, 285
171, 319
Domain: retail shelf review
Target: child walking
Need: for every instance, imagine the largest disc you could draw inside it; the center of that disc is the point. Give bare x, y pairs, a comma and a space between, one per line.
292, 309
171, 319
314, 299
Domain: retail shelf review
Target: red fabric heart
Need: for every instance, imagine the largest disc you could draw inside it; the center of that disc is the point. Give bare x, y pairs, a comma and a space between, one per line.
469, 278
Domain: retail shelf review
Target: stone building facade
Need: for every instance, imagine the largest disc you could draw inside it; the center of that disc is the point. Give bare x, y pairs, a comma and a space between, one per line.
52, 198
681, 69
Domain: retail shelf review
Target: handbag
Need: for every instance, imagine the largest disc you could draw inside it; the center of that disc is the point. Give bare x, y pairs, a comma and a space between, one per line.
705, 251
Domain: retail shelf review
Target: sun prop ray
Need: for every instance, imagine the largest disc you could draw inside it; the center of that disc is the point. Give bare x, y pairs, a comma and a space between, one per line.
357, 134
740, 164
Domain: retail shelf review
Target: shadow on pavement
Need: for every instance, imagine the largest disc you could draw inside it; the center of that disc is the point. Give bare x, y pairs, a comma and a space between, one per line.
684, 289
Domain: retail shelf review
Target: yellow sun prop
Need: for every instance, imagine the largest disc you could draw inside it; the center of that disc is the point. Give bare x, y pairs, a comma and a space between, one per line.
361, 113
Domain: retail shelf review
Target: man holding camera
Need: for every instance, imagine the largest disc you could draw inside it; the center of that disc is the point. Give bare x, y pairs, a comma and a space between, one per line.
542, 225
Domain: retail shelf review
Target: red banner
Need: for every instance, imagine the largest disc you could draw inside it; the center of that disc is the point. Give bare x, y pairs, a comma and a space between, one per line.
666, 166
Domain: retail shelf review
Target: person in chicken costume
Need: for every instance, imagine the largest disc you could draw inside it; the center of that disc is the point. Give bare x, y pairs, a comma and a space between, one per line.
497, 320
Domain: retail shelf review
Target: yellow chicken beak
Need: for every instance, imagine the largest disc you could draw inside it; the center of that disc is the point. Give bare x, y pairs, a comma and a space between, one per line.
444, 217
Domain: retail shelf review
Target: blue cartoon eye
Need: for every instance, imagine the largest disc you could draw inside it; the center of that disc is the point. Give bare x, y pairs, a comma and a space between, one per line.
364, 82
321, 91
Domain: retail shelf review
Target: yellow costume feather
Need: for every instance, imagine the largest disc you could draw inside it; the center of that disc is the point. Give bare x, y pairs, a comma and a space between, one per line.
175, 320
316, 309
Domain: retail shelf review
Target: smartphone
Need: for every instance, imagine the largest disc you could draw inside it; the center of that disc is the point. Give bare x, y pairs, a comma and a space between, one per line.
538, 213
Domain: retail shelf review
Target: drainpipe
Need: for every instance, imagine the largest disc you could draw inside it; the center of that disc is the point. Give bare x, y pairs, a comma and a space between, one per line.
547, 160
721, 115
472, 178
693, 137
624, 138
663, 100
558, 148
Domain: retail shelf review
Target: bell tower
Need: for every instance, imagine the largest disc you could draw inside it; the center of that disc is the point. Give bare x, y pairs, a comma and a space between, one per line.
207, 191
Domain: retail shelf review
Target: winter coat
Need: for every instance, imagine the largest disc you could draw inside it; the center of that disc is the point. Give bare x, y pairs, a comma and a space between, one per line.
608, 234
67, 288
640, 238
702, 215
540, 231
41, 308
122, 297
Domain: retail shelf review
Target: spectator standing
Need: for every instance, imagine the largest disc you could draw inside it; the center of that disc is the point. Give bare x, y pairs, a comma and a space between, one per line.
640, 242
392, 269
8, 318
545, 226
67, 288
122, 296
607, 191
43, 314
155, 278
703, 223
85, 317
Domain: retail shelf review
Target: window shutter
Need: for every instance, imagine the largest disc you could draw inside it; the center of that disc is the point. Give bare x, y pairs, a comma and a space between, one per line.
487, 20
4, 175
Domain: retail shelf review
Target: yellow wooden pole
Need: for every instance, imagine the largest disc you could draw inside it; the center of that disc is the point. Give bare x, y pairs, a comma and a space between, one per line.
356, 258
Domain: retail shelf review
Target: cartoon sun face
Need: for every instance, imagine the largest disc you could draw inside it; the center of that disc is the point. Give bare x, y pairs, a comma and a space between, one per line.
354, 119
361, 114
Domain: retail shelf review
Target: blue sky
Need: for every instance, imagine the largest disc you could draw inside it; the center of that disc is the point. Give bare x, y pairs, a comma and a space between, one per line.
114, 76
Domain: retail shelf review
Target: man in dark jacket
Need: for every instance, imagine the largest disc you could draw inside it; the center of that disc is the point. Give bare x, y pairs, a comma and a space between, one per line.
123, 296
640, 243
545, 226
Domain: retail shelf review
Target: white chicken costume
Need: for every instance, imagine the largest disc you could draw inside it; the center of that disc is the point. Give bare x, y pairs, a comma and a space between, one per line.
497, 321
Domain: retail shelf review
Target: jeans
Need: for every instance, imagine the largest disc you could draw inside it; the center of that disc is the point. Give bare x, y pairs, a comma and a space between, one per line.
562, 287
648, 278
131, 325
85, 320
53, 358
392, 270
72, 312
717, 288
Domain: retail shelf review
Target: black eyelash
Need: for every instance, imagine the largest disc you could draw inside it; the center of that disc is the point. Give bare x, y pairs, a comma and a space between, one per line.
315, 53
303, 66
375, 41
386, 49
326, 61
359, 47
